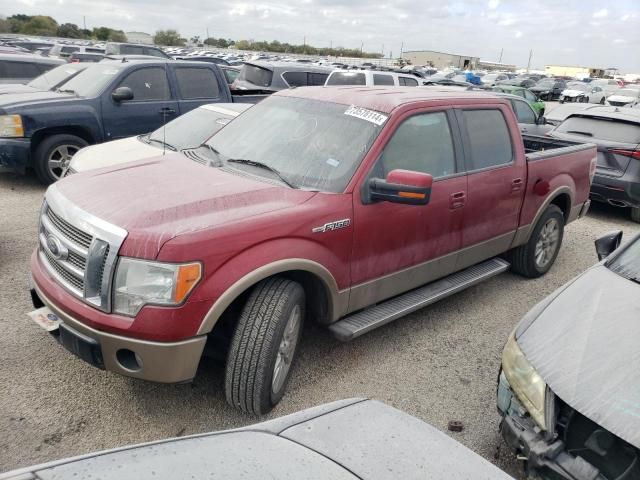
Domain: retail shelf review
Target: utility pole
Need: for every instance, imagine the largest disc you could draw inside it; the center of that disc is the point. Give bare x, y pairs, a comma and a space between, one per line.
401, 49
529, 62
361, 48
207, 32
84, 21
383, 50
304, 44
501, 52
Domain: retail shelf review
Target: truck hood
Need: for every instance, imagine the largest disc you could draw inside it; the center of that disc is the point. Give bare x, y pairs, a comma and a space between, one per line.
112, 153
584, 344
160, 198
16, 88
16, 100
306, 445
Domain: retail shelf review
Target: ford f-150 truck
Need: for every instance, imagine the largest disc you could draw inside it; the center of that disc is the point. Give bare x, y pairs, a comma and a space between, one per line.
346, 206
107, 101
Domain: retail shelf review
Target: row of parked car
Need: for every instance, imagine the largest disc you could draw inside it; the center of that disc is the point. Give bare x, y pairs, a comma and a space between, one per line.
125, 255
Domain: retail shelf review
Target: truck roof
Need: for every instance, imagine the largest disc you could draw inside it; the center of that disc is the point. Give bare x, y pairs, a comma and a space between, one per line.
384, 99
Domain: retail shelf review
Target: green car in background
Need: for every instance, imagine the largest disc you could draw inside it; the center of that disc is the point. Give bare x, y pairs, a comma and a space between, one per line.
528, 95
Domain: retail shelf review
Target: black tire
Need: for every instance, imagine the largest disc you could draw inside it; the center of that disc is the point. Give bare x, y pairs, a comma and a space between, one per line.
602, 101
635, 214
47, 147
256, 343
523, 258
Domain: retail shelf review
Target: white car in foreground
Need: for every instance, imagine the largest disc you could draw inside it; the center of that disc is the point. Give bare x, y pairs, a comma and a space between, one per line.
187, 131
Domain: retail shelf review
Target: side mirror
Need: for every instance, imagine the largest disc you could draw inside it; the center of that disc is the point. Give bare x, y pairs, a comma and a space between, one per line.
607, 243
122, 94
541, 120
402, 186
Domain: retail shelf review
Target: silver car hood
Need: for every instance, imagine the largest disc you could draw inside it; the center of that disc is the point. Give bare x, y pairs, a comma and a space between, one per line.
345, 440
586, 346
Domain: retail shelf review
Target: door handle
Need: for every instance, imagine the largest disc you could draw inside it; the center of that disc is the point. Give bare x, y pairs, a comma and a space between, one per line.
516, 185
457, 200
166, 111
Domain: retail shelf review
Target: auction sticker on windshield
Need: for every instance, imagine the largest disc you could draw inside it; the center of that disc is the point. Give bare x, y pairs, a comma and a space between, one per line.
45, 318
366, 114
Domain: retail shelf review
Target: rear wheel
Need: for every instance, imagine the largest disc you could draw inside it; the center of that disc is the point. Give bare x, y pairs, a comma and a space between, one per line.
53, 156
264, 345
535, 258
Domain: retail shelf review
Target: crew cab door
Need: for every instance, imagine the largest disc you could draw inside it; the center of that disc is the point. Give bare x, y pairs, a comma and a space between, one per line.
152, 105
496, 173
396, 246
198, 85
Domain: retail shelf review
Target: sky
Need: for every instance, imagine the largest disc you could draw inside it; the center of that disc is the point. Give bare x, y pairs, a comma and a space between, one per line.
567, 32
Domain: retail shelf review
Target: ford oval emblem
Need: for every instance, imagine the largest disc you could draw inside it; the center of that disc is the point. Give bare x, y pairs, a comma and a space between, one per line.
56, 248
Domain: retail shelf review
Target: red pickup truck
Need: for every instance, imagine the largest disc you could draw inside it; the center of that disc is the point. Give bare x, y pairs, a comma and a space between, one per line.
346, 206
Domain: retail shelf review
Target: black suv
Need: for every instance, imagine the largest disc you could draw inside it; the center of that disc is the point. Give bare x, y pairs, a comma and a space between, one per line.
24, 68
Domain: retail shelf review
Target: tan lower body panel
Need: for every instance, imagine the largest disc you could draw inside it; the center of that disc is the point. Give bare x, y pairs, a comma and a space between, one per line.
166, 362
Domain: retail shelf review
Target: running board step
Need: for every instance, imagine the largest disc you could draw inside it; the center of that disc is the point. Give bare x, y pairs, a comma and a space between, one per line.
373, 317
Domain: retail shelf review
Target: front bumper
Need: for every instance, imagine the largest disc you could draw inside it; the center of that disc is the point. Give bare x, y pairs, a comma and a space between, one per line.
545, 458
15, 153
166, 362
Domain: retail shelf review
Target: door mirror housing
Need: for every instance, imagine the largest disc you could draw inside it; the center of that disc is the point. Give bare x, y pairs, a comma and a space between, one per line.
607, 243
122, 94
541, 120
402, 186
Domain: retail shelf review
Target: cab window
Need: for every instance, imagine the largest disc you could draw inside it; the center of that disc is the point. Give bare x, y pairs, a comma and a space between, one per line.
148, 84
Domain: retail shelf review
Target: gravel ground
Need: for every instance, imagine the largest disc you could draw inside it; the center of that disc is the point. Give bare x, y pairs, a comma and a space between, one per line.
438, 364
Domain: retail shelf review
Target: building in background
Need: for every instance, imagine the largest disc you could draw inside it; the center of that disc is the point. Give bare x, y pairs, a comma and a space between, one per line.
573, 71
441, 60
139, 37
501, 67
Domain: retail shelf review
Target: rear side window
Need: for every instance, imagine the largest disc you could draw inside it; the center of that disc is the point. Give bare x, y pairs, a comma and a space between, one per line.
196, 83
347, 78
20, 70
258, 76
295, 79
528, 95
148, 84
131, 50
489, 139
154, 52
408, 82
524, 112
379, 79
601, 129
70, 49
230, 75
422, 143
317, 79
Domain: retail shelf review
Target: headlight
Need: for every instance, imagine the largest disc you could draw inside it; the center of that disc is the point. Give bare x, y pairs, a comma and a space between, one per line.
140, 282
11, 126
525, 382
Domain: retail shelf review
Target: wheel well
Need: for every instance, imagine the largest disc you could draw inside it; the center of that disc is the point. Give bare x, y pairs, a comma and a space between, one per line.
69, 130
563, 202
317, 307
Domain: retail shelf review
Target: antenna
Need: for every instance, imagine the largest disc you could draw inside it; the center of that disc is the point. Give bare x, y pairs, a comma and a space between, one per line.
164, 131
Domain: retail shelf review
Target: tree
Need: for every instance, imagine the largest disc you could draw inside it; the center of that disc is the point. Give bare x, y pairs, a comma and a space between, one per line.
117, 36
69, 30
168, 37
40, 25
101, 33
5, 26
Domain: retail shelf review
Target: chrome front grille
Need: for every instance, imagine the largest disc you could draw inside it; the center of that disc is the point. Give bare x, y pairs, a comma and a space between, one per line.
78, 249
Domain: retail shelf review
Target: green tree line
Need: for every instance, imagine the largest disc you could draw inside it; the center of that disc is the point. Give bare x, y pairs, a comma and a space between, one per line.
46, 26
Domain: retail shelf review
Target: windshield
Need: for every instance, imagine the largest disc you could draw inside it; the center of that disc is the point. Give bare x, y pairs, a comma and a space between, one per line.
313, 144
54, 77
583, 87
258, 76
93, 80
347, 78
547, 82
627, 264
627, 92
191, 129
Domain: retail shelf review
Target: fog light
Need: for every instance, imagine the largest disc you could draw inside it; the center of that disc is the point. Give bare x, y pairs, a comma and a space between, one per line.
129, 360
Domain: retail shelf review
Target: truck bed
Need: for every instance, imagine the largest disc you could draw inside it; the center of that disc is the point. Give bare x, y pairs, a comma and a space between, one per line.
539, 148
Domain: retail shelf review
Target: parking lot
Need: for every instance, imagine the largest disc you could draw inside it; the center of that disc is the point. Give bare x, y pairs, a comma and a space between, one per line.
439, 364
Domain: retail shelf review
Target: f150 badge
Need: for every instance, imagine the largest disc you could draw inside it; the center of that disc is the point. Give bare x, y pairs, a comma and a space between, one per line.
328, 227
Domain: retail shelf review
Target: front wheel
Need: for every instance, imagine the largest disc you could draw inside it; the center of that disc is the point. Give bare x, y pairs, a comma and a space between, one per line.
264, 345
53, 156
535, 258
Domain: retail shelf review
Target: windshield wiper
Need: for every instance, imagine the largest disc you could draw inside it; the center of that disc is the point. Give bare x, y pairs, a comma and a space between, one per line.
578, 132
165, 144
264, 166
